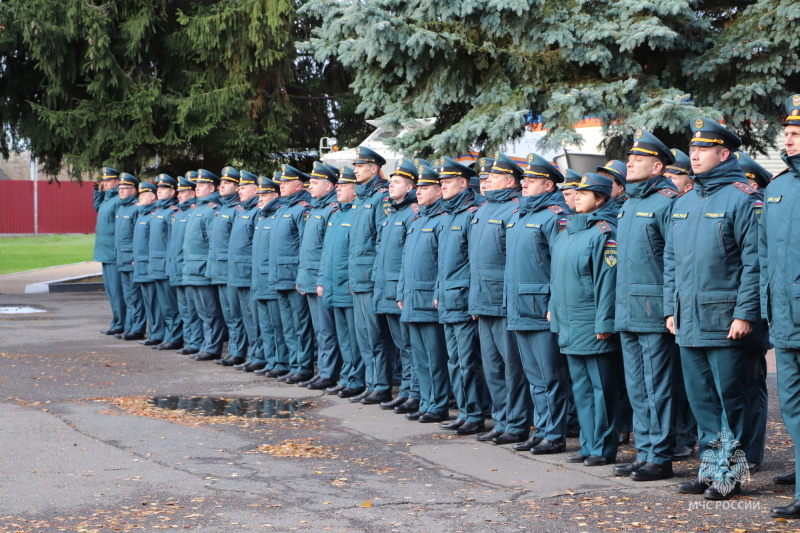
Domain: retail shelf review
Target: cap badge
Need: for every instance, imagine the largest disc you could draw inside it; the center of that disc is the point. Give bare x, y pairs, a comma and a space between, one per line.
698, 123
796, 99
530, 158
638, 134
674, 152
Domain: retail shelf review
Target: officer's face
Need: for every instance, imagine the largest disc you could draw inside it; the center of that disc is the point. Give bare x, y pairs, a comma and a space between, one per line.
704, 158
399, 187
345, 192
617, 189
451, 187
643, 167
365, 171
247, 191
147, 198
126, 191
791, 139
569, 197
682, 181
227, 188
107, 185
498, 182
204, 189
587, 201
265, 198
289, 188
428, 194
484, 185
185, 195
536, 186
319, 187
164, 193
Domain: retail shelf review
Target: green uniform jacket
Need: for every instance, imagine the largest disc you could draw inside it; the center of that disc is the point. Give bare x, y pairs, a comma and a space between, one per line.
390, 253
177, 233
220, 239
261, 287
642, 225
160, 227
284, 247
711, 272
240, 244
197, 239
313, 237
333, 277
370, 208
106, 204
583, 283
126, 216
141, 244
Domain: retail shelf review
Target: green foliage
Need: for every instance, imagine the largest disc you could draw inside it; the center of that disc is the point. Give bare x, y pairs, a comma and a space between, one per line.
482, 67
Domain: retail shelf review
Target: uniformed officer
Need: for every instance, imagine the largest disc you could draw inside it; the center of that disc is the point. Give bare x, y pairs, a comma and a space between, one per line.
159, 229
460, 202
679, 171
273, 352
141, 265
334, 288
502, 366
284, 255
402, 209
196, 274
710, 298
484, 169
571, 181
322, 187
647, 347
756, 373
192, 325
780, 267
240, 272
127, 213
416, 297
373, 337
583, 282
106, 202
218, 265
530, 236
617, 171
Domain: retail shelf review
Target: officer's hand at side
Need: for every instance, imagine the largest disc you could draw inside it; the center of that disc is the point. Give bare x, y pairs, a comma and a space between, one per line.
400, 304
548, 316
603, 336
671, 324
319, 291
435, 303
740, 329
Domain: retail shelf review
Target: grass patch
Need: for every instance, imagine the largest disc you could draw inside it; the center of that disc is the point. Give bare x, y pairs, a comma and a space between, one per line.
18, 254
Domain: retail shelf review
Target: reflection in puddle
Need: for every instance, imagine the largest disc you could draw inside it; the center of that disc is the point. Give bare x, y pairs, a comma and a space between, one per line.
19, 310
245, 407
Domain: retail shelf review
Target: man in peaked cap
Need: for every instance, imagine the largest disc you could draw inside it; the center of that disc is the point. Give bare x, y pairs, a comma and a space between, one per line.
643, 222
322, 187
106, 202
196, 266
531, 233
484, 169
166, 295
141, 265
711, 276
284, 255
460, 203
373, 336
757, 176
679, 171
240, 276
502, 366
571, 181
127, 213
779, 234
402, 209
617, 171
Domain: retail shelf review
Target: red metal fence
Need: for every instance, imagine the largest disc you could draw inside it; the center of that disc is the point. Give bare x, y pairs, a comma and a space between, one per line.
63, 207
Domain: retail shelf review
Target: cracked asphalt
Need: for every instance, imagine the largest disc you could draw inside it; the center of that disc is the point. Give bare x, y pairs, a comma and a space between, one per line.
81, 452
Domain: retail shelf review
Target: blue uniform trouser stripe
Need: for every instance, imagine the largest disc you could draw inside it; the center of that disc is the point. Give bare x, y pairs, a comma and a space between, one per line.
168, 302
206, 302
135, 321
464, 367
787, 362
247, 307
192, 325
683, 420
594, 387
716, 388
113, 285
372, 337
352, 374
329, 359
430, 362
647, 360
401, 336
758, 409
546, 370
232, 313
296, 320
152, 309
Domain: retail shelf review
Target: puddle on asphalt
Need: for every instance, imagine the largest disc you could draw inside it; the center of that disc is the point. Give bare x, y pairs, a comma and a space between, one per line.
19, 310
244, 407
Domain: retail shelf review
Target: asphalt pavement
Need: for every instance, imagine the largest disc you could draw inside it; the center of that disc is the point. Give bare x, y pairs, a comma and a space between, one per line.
81, 450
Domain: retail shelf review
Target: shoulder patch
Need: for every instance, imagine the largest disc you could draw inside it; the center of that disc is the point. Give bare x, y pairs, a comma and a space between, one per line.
212, 205
383, 190
304, 203
473, 208
415, 208
669, 193
239, 207
515, 200
782, 172
604, 227
744, 187
557, 209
